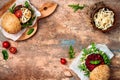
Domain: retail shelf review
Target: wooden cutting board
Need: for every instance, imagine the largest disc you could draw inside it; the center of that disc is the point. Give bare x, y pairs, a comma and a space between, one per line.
46, 9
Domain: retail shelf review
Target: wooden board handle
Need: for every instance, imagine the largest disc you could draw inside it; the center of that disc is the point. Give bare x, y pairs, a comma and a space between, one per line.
47, 9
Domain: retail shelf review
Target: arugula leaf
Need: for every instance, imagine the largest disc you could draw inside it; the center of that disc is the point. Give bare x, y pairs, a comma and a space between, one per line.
93, 45
83, 68
30, 31
87, 73
76, 7
27, 4
85, 52
82, 58
5, 54
71, 52
95, 62
106, 58
12, 8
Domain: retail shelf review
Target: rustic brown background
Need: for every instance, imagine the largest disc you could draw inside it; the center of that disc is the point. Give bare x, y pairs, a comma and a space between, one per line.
38, 58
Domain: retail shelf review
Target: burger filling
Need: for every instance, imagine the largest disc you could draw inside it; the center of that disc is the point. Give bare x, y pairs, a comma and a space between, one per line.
26, 15
93, 61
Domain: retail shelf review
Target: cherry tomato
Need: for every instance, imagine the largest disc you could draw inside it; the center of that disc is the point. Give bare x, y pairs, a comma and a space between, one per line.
63, 61
18, 13
13, 50
6, 44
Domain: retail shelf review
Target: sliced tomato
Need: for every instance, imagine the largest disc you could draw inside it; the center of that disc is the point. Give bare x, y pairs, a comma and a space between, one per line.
13, 50
18, 13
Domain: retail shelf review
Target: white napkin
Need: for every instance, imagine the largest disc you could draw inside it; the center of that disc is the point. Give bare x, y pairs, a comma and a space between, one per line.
76, 62
15, 37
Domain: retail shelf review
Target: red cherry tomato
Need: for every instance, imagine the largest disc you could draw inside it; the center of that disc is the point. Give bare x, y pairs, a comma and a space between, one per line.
63, 61
6, 44
18, 13
13, 50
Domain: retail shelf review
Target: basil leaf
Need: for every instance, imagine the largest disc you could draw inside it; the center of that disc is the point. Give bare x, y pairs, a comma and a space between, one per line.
27, 4
95, 62
5, 54
30, 31
12, 8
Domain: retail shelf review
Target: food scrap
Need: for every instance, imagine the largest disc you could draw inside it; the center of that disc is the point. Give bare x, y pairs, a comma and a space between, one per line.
67, 73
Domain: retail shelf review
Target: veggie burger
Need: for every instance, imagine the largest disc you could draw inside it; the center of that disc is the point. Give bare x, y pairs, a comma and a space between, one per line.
17, 18
94, 62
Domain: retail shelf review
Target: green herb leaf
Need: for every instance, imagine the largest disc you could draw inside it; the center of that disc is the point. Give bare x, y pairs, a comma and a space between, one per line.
76, 7
106, 58
83, 68
95, 62
87, 73
71, 52
27, 4
5, 54
93, 45
30, 31
85, 52
12, 8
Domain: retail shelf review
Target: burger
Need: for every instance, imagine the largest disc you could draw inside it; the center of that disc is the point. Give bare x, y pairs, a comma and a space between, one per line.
91, 59
17, 18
